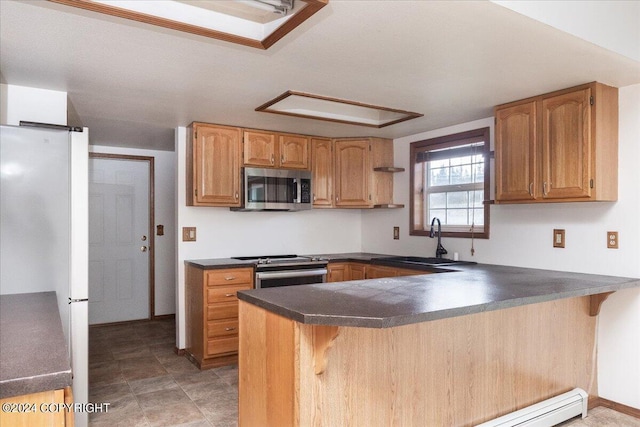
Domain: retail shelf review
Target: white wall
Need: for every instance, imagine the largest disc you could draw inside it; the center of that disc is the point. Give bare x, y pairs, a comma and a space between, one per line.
21, 103
521, 235
614, 25
222, 233
165, 246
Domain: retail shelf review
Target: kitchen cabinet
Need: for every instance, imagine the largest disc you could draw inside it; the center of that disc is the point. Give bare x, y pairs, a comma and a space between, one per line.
382, 271
338, 272
361, 177
213, 165
558, 147
31, 407
322, 172
271, 150
212, 314
345, 271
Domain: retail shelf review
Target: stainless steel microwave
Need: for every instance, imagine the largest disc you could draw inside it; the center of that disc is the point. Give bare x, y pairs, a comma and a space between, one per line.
266, 189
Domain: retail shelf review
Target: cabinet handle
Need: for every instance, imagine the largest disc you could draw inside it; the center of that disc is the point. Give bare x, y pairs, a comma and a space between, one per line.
544, 188
272, 159
230, 278
229, 295
282, 159
531, 189
337, 198
236, 195
314, 197
229, 329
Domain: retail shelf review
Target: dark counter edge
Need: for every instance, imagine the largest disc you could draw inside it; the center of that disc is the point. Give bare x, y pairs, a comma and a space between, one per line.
390, 322
35, 384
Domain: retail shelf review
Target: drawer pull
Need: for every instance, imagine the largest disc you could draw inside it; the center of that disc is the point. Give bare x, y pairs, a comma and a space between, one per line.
229, 295
229, 329
230, 278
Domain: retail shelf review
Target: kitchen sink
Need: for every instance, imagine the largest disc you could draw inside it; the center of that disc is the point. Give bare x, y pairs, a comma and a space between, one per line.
427, 261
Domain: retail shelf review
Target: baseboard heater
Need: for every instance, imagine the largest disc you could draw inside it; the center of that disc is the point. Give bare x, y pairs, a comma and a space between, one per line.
546, 413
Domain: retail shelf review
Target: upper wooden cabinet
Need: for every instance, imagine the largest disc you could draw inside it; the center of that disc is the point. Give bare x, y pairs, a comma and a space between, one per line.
322, 172
356, 182
558, 147
271, 150
213, 165
259, 149
294, 152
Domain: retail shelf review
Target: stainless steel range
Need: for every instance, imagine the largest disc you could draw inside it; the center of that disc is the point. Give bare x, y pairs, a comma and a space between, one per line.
287, 270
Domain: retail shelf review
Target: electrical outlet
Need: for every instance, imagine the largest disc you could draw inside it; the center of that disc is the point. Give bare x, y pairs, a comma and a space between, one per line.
188, 234
612, 239
558, 238
396, 233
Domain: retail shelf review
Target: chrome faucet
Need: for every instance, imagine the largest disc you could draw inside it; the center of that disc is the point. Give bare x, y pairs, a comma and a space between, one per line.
440, 250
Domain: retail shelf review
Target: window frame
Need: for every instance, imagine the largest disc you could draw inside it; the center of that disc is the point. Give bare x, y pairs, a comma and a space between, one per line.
417, 202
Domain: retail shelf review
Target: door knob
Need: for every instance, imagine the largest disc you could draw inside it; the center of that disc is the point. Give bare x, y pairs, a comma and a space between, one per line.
143, 238
143, 248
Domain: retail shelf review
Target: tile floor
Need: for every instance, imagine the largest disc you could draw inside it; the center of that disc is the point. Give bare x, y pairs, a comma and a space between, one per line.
134, 368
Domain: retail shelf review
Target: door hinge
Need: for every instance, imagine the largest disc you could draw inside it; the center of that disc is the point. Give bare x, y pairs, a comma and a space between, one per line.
591, 100
196, 134
591, 183
196, 192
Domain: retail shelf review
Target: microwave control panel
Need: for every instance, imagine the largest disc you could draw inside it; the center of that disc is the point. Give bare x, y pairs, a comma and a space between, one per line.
305, 191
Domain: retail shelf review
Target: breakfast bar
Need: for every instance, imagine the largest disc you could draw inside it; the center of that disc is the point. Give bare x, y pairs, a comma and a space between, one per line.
457, 348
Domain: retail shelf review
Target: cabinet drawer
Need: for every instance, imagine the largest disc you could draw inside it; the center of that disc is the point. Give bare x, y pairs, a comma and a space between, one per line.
230, 277
222, 328
222, 345
224, 294
222, 310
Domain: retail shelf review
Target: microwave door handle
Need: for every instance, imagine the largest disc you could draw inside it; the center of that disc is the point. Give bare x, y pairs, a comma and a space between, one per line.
296, 184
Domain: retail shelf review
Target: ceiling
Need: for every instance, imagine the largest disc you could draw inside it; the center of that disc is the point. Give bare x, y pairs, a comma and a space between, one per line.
132, 84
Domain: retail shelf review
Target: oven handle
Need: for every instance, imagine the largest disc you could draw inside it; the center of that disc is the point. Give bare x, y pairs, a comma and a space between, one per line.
262, 275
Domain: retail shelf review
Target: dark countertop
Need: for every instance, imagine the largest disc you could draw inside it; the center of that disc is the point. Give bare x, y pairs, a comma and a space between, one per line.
33, 350
390, 302
219, 263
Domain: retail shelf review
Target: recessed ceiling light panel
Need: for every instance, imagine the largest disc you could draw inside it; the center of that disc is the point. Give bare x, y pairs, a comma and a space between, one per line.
255, 23
319, 107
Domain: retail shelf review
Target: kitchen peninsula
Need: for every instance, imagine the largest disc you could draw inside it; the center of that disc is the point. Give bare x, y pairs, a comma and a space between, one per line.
456, 348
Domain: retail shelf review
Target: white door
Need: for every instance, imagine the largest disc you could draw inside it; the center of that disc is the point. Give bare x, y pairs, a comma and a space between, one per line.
118, 240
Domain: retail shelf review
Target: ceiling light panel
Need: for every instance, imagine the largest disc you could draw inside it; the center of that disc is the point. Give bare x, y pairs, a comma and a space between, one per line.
319, 107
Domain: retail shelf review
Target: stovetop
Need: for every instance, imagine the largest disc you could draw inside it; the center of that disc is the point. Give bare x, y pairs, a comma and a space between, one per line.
277, 260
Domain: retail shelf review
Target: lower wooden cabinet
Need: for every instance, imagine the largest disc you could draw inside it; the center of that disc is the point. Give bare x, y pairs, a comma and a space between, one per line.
212, 314
46, 408
345, 271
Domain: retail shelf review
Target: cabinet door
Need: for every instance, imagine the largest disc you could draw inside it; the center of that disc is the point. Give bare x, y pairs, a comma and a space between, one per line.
322, 170
379, 272
294, 152
515, 152
217, 166
337, 272
259, 149
357, 271
352, 173
566, 145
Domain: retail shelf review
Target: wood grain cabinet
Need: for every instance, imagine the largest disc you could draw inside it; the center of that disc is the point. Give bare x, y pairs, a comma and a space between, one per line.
558, 147
322, 172
212, 314
44, 408
356, 183
271, 150
382, 271
213, 165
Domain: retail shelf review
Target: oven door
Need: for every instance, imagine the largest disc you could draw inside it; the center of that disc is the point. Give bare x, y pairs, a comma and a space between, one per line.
272, 279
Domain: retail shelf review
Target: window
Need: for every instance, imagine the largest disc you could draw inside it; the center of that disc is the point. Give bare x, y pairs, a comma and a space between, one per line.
450, 181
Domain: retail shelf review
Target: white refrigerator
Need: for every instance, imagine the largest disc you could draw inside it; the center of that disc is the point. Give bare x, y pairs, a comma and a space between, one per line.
44, 230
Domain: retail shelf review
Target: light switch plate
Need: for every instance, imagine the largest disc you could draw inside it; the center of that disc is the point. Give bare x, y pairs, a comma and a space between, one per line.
188, 234
396, 233
558, 238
